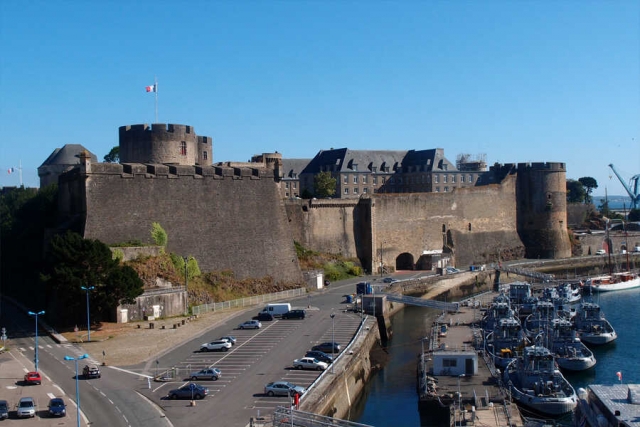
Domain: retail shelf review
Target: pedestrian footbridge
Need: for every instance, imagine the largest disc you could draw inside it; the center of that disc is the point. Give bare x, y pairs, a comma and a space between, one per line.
440, 305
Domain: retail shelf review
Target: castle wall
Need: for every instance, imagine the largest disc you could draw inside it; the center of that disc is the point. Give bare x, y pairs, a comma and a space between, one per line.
476, 225
227, 218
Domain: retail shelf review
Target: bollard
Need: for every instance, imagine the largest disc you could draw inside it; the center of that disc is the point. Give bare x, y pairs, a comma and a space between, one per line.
151, 325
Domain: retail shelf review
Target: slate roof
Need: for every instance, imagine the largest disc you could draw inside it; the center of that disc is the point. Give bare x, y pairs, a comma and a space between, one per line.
345, 160
291, 168
67, 155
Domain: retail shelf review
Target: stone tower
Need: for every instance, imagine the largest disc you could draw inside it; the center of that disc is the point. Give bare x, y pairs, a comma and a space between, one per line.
161, 143
541, 195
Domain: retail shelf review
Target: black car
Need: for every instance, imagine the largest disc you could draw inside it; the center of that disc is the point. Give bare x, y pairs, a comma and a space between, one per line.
295, 314
319, 355
327, 347
189, 391
263, 317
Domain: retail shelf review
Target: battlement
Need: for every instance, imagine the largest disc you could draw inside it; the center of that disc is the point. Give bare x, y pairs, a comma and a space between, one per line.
542, 166
152, 170
142, 131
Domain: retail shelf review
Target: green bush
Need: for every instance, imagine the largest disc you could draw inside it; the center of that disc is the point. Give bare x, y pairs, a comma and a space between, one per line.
158, 234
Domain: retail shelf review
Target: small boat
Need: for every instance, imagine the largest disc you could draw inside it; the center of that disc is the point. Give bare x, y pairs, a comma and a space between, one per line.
505, 342
571, 353
500, 308
535, 382
613, 282
543, 315
591, 325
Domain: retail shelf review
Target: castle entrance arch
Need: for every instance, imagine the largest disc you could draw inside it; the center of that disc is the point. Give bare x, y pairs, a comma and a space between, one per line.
404, 261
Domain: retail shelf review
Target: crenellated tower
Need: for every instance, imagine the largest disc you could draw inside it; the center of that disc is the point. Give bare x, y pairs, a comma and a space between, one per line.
541, 196
161, 143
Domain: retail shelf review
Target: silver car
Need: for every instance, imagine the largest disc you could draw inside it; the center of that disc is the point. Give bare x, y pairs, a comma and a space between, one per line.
283, 388
26, 408
250, 324
206, 374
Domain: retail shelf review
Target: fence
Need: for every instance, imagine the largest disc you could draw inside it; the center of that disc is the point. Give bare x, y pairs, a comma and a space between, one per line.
248, 301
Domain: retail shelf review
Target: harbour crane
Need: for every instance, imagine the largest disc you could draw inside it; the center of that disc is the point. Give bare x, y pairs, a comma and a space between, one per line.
633, 182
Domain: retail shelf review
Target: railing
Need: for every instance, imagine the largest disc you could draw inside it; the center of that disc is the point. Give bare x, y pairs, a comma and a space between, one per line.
248, 301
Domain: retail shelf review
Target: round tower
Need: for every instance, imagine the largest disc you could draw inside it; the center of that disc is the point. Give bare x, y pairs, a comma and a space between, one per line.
163, 143
541, 194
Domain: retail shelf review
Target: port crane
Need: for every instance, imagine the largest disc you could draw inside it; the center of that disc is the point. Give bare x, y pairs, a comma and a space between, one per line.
633, 182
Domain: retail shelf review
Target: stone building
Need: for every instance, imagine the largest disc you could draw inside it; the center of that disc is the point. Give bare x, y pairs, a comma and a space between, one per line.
60, 161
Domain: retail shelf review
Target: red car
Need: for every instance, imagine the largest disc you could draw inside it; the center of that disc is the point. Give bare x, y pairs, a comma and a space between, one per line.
32, 378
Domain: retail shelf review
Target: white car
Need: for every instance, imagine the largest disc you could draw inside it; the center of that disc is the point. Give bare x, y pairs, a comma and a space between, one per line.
220, 345
26, 408
309, 363
601, 252
250, 324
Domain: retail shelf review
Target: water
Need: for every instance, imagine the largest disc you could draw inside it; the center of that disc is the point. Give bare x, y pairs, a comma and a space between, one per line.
391, 398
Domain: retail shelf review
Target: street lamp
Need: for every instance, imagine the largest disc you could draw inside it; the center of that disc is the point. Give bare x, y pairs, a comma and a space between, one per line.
88, 288
186, 283
35, 357
333, 341
84, 356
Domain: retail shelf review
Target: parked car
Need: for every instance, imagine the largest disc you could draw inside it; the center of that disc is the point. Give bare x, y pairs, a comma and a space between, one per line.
295, 314
250, 324
283, 388
327, 347
206, 374
57, 408
91, 371
229, 338
26, 408
31, 378
389, 280
265, 317
309, 363
320, 355
452, 270
601, 252
4, 410
189, 391
218, 345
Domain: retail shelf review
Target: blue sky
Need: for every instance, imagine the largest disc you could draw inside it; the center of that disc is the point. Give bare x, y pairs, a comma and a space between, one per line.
517, 81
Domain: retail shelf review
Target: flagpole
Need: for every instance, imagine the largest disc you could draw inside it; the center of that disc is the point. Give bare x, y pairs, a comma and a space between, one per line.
156, 91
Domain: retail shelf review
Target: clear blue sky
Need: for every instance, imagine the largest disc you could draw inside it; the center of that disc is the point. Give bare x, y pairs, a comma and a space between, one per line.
518, 81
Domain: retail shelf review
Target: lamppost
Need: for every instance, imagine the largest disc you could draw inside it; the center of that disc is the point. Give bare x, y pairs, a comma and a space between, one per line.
35, 357
84, 356
88, 288
186, 284
333, 341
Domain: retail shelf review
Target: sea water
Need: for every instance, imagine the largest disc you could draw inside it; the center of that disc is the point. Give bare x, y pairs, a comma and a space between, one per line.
391, 398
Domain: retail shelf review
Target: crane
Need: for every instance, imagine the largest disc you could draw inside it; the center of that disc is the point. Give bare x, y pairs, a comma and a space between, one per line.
634, 194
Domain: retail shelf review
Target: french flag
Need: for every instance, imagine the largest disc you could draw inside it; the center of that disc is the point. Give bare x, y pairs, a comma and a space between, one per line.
151, 88
11, 170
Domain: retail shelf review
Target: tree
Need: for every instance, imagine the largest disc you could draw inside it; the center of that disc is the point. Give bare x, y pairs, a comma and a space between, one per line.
113, 156
575, 191
74, 262
324, 184
589, 184
158, 234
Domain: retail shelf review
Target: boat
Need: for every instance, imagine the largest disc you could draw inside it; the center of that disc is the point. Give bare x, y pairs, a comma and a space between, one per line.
500, 308
544, 312
591, 325
613, 282
571, 353
536, 383
505, 342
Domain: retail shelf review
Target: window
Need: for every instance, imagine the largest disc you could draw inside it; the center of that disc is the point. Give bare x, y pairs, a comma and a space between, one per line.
205, 155
436, 179
453, 179
470, 179
445, 178
355, 167
374, 169
286, 185
375, 180
365, 179
346, 191
183, 148
355, 179
355, 190
293, 185
446, 189
383, 180
437, 189
365, 190
449, 363
346, 179
462, 178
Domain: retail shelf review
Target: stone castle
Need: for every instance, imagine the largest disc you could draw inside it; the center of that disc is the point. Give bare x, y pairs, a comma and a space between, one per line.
233, 216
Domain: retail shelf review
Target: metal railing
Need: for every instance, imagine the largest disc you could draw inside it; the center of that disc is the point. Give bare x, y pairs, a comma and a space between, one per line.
248, 301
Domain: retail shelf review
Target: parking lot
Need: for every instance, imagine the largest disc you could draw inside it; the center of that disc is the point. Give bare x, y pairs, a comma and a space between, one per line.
246, 367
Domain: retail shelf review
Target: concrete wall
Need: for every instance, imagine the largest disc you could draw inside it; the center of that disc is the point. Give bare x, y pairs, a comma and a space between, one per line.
170, 301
